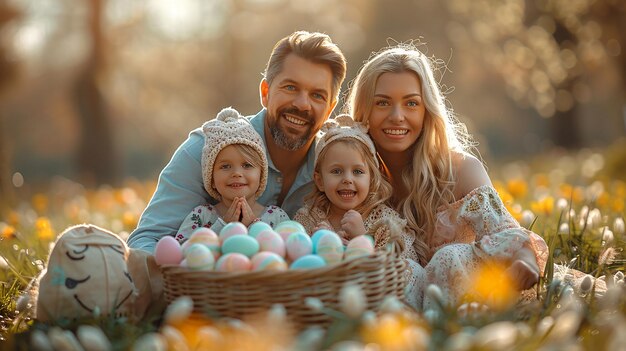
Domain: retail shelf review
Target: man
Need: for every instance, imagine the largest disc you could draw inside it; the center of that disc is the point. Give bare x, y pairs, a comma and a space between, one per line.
299, 90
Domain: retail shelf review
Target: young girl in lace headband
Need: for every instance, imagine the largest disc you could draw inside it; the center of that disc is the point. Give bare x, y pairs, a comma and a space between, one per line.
234, 171
350, 193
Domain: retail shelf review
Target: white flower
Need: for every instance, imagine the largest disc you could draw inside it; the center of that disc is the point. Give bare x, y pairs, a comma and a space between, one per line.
432, 316
39, 341
352, 301
496, 336
175, 339
63, 340
607, 236
618, 226
564, 228
460, 341
314, 303
565, 326
544, 326
179, 310
527, 218
277, 314
92, 338
434, 292
208, 338
391, 304
562, 204
348, 345
595, 219
150, 342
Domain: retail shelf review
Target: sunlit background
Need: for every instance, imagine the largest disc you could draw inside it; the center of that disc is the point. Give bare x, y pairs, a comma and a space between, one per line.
98, 91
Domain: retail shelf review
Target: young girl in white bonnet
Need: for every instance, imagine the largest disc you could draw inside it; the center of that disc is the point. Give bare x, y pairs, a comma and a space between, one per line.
234, 171
350, 195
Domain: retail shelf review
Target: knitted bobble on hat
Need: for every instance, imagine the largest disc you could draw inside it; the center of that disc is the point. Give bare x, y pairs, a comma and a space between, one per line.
229, 128
342, 127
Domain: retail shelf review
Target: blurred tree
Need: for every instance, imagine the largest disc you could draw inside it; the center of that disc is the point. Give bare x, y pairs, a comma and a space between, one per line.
545, 51
97, 159
8, 73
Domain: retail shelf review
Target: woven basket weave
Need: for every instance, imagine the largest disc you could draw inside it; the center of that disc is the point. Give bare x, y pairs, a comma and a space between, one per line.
238, 295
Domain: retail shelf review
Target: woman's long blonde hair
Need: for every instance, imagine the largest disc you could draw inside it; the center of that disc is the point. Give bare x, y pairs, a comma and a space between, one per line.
429, 178
379, 190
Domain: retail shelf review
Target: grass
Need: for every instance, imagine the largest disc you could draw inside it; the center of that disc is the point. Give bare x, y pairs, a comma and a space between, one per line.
580, 215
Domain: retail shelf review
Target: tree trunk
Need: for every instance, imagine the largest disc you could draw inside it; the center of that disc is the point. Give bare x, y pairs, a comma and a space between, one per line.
97, 159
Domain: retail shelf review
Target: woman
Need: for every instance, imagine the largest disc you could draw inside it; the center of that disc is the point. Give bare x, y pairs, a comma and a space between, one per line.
442, 190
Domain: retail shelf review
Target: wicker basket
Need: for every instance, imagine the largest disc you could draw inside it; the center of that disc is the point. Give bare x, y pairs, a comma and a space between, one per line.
237, 295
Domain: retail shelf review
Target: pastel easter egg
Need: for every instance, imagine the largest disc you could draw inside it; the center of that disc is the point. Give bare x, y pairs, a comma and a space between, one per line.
316, 237
243, 244
359, 246
168, 251
255, 228
269, 240
308, 262
199, 257
233, 262
232, 229
330, 248
206, 237
298, 244
287, 228
266, 260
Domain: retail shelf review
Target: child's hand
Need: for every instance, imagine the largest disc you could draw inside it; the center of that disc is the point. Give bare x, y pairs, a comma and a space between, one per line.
524, 271
233, 214
247, 215
352, 224
323, 225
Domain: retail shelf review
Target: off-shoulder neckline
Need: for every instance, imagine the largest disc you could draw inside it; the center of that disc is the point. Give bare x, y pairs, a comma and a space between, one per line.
456, 204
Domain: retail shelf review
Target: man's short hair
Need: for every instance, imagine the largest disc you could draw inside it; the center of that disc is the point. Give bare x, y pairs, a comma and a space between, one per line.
315, 47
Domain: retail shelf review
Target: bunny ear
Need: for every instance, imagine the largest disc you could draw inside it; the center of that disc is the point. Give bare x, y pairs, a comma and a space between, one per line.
228, 114
329, 125
345, 120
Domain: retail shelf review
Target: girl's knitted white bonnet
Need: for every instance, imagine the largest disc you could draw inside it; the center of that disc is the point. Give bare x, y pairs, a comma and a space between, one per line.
228, 128
343, 127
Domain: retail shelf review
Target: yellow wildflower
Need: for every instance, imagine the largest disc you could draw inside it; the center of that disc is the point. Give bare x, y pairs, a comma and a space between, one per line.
603, 199
8, 232
617, 205
13, 218
542, 180
517, 187
43, 228
492, 285
391, 332
543, 206
40, 203
129, 219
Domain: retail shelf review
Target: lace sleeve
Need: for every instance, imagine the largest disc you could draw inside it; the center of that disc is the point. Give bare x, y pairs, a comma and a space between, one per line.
498, 234
303, 216
376, 225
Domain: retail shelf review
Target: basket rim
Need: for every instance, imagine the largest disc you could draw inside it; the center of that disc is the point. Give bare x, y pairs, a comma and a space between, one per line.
377, 257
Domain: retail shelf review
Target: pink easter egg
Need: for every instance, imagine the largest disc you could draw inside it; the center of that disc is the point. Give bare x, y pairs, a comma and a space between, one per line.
232, 229
359, 246
271, 241
298, 244
266, 260
168, 251
286, 228
206, 237
330, 248
233, 262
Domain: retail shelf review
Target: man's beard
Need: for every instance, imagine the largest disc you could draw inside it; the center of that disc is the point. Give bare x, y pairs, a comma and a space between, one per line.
282, 139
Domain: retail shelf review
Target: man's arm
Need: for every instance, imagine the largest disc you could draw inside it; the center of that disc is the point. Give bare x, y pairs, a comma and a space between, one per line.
179, 190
